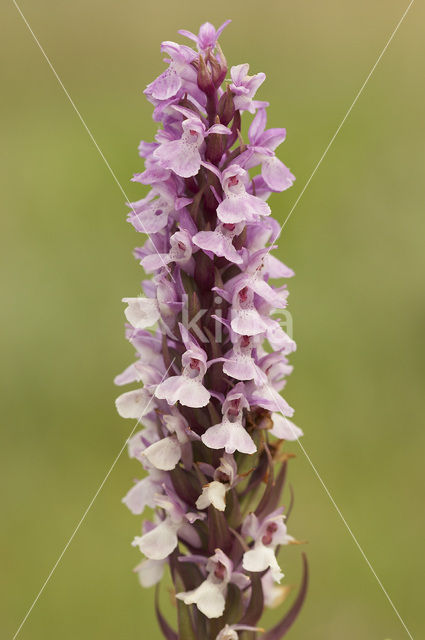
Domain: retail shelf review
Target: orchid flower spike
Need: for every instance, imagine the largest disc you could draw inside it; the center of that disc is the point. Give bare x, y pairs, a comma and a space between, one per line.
211, 358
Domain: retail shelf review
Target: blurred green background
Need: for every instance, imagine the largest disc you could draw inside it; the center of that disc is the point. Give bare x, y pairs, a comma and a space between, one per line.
356, 241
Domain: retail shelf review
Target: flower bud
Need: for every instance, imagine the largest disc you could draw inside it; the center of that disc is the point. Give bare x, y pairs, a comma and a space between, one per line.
220, 67
204, 272
226, 107
205, 81
215, 146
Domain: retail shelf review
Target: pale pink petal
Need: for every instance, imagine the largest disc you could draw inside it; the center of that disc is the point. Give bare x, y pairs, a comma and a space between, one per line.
231, 436
189, 392
229, 632
151, 220
270, 399
154, 262
272, 138
130, 374
140, 496
231, 210
257, 126
261, 558
193, 394
279, 339
218, 244
248, 322
141, 312
241, 368
158, 543
276, 175
164, 454
272, 296
277, 269
179, 156
241, 580
169, 389
239, 72
284, 429
274, 595
251, 526
165, 86
219, 129
208, 597
150, 572
213, 493
133, 404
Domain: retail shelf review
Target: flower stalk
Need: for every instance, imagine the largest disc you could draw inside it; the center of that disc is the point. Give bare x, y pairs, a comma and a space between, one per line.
210, 356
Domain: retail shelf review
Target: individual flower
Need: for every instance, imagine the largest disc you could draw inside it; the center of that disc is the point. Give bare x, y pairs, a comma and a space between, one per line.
179, 72
267, 535
160, 539
180, 253
261, 151
238, 205
210, 596
153, 213
240, 363
187, 388
231, 434
220, 241
183, 156
207, 36
244, 88
214, 493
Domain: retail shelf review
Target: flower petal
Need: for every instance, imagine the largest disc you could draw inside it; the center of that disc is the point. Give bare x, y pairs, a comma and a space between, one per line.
140, 496
276, 175
231, 436
284, 429
158, 543
261, 558
150, 572
213, 493
218, 244
208, 597
165, 86
182, 158
133, 404
164, 454
190, 393
141, 312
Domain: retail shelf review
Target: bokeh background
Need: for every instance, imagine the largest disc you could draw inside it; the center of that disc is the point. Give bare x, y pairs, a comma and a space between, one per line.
356, 241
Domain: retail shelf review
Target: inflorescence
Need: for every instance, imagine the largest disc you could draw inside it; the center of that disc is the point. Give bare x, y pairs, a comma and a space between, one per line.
213, 367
